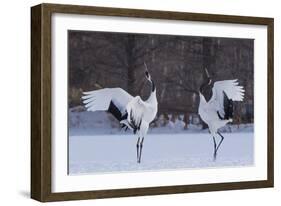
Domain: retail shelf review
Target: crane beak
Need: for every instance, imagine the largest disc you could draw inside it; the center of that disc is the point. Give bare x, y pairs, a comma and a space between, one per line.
207, 73
145, 67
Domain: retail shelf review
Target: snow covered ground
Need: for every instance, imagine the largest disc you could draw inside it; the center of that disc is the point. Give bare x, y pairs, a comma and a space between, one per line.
97, 144
116, 153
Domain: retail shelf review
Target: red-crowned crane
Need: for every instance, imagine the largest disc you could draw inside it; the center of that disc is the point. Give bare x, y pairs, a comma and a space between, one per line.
218, 111
131, 112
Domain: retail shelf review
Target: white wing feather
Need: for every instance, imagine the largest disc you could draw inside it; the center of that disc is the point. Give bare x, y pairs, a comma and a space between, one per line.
231, 89
99, 100
136, 108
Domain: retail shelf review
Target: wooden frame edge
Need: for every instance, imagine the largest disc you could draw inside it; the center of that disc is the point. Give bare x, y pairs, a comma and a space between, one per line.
270, 91
40, 103
101, 194
36, 58
158, 14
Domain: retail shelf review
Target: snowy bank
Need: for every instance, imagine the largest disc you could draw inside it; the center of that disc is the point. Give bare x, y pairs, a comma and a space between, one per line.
92, 123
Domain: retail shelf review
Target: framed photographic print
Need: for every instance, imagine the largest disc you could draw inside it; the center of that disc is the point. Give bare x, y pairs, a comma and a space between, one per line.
130, 102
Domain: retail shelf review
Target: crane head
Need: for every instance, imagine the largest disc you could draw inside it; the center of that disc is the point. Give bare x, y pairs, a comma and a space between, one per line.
147, 75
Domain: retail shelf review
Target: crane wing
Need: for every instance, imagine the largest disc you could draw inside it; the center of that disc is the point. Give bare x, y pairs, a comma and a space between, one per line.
113, 100
224, 92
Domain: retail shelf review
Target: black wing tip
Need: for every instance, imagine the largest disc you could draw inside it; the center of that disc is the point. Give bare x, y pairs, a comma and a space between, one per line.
115, 111
228, 107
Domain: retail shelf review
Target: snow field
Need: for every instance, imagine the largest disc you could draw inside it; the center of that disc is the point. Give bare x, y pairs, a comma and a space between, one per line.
117, 153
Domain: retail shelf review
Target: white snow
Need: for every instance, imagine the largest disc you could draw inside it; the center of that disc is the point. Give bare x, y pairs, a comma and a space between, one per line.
117, 153
97, 144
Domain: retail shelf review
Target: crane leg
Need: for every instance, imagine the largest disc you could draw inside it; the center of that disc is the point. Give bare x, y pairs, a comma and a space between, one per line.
141, 144
138, 142
222, 138
215, 149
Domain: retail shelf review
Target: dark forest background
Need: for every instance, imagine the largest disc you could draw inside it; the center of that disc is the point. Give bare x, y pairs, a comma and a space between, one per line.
104, 59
